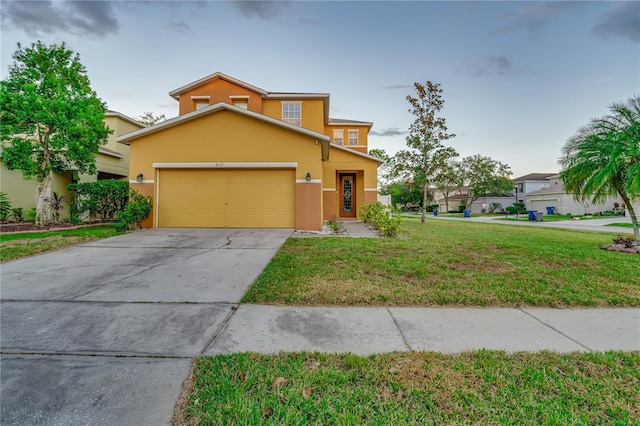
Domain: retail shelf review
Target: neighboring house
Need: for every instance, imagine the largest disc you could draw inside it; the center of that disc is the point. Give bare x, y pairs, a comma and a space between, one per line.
240, 156
481, 205
112, 162
530, 183
555, 196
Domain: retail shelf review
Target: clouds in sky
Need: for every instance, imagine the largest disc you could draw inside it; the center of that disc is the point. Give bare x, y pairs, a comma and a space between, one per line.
260, 9
494, 65
391, 131
83, 18
623, 20
535, 17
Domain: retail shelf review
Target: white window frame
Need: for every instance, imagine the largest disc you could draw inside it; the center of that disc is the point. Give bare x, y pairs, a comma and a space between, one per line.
350, 136
338, 136
241, 101
200, 102
292, 117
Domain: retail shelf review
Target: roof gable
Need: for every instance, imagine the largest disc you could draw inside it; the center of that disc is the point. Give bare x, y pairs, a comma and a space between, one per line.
217, 75
127, 138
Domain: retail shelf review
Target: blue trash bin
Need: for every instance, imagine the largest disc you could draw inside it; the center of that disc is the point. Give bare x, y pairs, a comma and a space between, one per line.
550, 210
435, 212
466, 213
532, 214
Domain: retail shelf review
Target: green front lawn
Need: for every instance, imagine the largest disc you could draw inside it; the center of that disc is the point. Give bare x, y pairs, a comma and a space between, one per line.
484, 387
23, 244
452, 263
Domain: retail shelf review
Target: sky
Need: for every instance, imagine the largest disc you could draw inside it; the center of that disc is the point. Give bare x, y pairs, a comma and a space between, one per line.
518, 78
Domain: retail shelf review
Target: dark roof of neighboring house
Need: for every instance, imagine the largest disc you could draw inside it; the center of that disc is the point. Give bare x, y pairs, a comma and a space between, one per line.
535, 176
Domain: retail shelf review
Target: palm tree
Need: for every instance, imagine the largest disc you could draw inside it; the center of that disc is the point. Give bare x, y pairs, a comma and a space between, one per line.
603, 158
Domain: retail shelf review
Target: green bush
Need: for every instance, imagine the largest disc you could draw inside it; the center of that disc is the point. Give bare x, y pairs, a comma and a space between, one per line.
30, 215
5, 207
138, 209
381, 217
104, 198
18, 214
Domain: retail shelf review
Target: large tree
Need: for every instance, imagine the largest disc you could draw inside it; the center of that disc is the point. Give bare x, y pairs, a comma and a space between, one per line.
426, 155
446, 179
478, 176
402, 193
602, 159
52, 121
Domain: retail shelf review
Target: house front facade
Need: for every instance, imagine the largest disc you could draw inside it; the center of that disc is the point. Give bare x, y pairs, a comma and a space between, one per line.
239, 156
531, 183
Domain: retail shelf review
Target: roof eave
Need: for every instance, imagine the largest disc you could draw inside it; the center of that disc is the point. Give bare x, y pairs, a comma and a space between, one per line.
127, 138
361, 154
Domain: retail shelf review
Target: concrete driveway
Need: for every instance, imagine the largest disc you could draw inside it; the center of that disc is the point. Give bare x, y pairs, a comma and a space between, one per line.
105, 332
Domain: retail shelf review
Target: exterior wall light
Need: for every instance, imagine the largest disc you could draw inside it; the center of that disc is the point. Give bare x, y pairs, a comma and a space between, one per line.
139, 177
308, 177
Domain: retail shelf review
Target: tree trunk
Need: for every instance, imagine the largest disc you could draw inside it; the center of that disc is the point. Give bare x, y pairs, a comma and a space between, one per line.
41, 192
632, 213
424, 203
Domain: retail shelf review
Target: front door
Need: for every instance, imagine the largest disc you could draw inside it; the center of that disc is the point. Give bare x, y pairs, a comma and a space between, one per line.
348, 195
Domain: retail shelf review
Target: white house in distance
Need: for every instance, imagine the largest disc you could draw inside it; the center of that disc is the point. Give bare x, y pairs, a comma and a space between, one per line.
530, 183
555, 196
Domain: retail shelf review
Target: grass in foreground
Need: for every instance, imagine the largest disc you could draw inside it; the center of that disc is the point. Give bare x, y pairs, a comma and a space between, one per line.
484, 387
23, 244
452, 263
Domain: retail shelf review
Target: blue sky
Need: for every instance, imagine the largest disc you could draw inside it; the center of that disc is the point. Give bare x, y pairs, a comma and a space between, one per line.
519, 78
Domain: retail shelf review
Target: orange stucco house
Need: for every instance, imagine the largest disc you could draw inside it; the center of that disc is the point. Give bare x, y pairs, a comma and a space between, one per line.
238, 156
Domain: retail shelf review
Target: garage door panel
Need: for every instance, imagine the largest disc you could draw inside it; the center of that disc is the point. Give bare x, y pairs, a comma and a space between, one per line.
251, 198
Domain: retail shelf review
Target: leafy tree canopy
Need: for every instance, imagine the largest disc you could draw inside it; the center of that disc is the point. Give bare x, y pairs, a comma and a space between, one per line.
602, 159
52, 121
478, 176
425, 155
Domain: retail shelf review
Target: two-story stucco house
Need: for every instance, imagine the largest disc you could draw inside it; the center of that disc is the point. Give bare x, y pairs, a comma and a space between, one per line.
242, 157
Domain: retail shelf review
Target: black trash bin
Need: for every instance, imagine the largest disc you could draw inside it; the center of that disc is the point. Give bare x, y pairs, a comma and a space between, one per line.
532, 214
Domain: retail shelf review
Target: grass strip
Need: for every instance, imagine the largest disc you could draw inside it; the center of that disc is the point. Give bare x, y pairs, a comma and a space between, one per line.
482, 387
23, 244
452, 263
623, 225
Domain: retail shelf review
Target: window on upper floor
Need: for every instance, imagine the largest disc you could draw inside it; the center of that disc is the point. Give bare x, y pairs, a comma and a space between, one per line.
338, 137
353, 137
200, 102
241, 101
292, 113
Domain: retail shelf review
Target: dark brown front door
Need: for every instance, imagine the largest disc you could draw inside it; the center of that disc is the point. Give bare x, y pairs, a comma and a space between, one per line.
348, 195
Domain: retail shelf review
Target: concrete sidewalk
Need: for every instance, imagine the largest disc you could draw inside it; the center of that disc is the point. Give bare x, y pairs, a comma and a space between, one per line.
365, 330
600, 225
